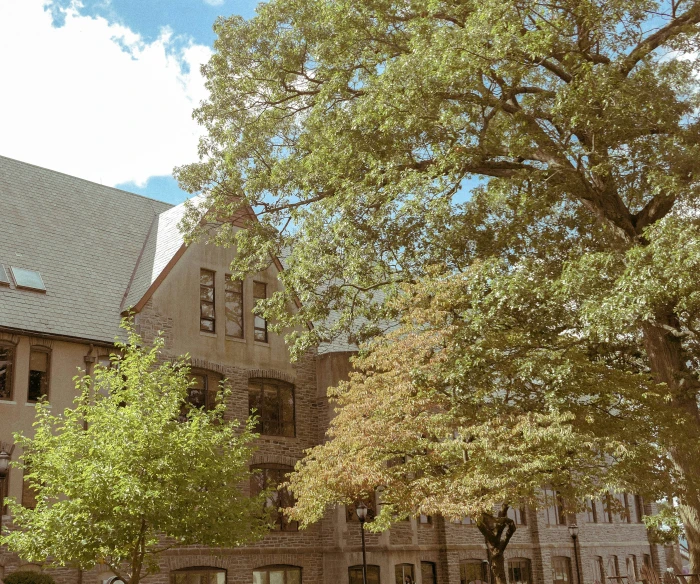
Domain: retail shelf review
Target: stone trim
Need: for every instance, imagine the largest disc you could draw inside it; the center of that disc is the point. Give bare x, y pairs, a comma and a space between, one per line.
196, 363
271, 374
38, 342
260, 458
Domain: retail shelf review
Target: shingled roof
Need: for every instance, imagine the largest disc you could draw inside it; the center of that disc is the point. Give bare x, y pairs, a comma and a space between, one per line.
98, 250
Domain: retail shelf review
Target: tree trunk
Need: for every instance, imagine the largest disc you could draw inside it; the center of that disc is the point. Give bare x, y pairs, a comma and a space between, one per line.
497, 532
668, 365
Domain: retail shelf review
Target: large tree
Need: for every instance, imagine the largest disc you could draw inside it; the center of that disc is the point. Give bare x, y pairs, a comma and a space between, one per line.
351, 129
131, 472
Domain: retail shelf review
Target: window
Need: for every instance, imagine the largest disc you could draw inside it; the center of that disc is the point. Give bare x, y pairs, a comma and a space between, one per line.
646, 561
233, 293
473, 572
260, 293
624, 509
561, 570
591, 511
202, 392
466, 520
598, 570
555, 508
198, 576
518, 515
404, 574
425, 519
268, 477
277, 575
38, 374
28, 492
28, 279
273, 402
7, 360
207, 312
4, 280
370, 503
5, 491
428, 573
519, 571
355, 574
631, 566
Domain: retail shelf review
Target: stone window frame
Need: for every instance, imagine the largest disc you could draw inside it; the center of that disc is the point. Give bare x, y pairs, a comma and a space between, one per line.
10, 369
47, 385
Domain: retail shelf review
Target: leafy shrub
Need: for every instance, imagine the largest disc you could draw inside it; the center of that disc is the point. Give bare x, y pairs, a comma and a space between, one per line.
29, 578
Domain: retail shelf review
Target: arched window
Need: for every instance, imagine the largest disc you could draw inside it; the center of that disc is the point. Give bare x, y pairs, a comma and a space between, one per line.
268, 476
561, 570
277, 575
273, 402
405, 574
7, 363
519, 571
39, 371
355, 574
473, 572
198, 575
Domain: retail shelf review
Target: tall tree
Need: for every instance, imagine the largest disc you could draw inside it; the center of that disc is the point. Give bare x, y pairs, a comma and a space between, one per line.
350, 128
131, 472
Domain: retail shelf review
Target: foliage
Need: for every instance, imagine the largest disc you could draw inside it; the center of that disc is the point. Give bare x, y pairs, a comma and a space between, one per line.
349, 128
29, 578
445, 416
665, 526
121, 477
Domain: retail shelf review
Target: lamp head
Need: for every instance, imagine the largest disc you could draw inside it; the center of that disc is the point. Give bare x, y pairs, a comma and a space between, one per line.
573, 530
362, 512
4, 462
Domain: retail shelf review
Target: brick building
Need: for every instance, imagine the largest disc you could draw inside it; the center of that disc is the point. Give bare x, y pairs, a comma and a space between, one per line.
74, 255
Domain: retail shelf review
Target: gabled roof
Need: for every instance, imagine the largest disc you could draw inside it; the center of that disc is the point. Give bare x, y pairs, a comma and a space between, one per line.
96, 248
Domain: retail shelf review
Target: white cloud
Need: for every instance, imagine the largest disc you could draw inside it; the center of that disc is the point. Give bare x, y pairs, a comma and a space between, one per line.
92, 99
214, 2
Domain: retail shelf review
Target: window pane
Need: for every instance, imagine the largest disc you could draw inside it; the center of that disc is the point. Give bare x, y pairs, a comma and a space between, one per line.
276, 577
294, 576
271, 409
259, 578
38, 375
206, 278
6, 360
197, 395
260, 293
519, 571
473, 572
207, 310
287, 398
206, 294
560, 567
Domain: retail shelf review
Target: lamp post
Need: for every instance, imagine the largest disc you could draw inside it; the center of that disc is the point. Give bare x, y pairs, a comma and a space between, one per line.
4, 467
362, 516
573, 532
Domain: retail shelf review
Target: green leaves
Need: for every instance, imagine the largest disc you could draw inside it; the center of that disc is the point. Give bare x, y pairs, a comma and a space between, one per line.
121, 477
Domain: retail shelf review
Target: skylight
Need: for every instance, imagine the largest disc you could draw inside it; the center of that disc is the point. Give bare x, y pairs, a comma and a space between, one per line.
28, 279
4, 280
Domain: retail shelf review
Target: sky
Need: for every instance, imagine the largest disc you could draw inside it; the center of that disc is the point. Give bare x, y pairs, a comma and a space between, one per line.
104, 89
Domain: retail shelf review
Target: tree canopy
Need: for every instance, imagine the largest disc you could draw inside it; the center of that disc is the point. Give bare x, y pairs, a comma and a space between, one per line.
128, 474
353, 130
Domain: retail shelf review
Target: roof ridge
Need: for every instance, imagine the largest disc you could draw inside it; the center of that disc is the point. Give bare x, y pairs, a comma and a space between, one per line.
170, 205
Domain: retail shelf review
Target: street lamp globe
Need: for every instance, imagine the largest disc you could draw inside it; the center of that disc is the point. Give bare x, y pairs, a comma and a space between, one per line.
4, 462
573, 530
362, 512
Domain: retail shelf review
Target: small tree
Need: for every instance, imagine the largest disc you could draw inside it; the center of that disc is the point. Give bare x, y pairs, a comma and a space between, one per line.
126, 475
